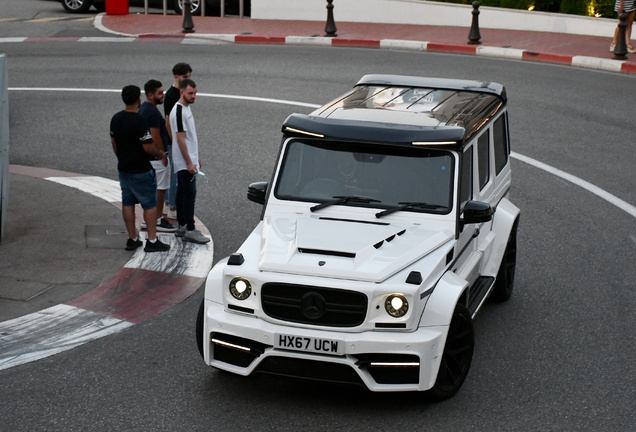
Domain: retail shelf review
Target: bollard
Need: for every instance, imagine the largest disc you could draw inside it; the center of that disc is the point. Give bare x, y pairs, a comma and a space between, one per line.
474, 35
330, 27
620, 50
188, 25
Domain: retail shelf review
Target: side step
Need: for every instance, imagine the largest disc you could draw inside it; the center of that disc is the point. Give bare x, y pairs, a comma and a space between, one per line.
478, 292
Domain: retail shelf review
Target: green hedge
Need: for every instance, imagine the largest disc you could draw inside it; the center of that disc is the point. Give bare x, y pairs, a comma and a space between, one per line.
604, 8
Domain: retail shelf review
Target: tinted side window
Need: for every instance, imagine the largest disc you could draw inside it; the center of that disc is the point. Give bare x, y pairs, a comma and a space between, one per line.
501, 143
483, 158
466, 186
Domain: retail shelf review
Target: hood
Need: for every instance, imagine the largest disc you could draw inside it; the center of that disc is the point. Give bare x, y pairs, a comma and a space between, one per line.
342, 248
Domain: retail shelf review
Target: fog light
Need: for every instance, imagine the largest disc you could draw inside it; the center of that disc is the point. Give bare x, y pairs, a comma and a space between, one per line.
396, 305
240, 288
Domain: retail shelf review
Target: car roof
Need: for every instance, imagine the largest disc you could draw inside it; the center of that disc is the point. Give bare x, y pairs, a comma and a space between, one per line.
404, 110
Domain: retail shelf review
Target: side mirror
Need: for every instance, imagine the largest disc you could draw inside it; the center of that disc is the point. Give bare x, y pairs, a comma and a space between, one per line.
476, 212
256, 192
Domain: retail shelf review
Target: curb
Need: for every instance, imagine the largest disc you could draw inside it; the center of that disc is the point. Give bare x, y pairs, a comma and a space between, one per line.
147, 285
584, 62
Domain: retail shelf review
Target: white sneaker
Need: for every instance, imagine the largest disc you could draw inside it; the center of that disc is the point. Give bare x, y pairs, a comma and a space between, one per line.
172, 214
143, 225
166, 208
195, 236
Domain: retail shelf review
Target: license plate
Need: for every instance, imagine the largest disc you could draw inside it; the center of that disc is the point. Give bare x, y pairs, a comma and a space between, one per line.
309, 344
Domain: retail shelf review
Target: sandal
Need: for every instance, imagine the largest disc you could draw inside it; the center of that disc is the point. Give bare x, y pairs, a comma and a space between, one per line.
630, 49
612, 47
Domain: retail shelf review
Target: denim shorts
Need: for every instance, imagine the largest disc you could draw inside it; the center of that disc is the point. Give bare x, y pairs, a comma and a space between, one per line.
138, 188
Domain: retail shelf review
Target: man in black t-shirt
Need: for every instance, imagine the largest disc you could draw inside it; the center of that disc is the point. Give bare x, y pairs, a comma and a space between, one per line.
134, 147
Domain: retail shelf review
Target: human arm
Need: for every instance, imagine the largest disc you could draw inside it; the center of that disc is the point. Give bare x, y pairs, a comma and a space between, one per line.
114, 144
158, 143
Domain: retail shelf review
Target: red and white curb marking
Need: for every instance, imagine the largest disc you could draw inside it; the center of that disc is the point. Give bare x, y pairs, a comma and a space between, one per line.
585, 62
147, 285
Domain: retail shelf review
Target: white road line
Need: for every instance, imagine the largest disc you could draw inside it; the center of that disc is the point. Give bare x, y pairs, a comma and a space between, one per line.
51, 331
612, 199
105, 189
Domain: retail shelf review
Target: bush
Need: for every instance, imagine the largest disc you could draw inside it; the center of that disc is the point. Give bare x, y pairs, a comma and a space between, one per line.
516, 4
575, 7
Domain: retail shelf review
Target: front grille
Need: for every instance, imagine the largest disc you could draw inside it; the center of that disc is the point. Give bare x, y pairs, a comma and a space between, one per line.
309, 369
314, 305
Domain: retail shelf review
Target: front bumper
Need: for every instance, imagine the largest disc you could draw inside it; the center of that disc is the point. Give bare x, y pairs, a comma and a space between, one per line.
379, 360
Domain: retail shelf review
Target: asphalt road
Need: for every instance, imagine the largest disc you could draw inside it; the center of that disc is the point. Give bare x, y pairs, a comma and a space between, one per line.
558, 356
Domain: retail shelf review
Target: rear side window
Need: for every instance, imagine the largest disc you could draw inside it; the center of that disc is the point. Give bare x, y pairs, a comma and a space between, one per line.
500, 136
483, 158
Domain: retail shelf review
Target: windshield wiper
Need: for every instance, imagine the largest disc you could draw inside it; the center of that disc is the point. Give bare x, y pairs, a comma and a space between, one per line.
409, 205
342, 200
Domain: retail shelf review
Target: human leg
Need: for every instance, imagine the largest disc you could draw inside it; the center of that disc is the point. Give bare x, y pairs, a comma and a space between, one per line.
128, 212
172, 191
186, 196
128, 201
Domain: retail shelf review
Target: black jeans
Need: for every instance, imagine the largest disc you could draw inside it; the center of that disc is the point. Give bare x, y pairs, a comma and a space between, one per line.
186, 196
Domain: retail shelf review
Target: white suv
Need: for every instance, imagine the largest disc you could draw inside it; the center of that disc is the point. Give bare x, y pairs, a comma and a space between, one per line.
385, 227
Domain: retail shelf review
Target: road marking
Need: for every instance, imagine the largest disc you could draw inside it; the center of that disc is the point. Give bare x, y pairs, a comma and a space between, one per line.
147, 285
612, 199
41, 20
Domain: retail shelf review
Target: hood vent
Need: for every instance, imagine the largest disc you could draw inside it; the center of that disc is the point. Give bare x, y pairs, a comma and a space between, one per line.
327, 252
379, 244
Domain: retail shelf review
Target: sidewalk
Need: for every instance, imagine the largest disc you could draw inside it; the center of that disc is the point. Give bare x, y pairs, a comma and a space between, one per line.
65, 277
582, 51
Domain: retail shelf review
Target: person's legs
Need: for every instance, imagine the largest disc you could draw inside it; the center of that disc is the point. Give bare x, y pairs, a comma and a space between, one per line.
628, 30
128, 213
172, 191
128, 202
144, 187
150, 217
186, 196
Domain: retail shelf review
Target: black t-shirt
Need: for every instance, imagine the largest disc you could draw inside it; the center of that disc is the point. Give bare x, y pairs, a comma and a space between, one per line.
130, 131
171, 98
152, 115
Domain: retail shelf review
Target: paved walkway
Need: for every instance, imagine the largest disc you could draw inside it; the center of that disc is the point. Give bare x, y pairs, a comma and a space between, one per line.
65, 277
582, 51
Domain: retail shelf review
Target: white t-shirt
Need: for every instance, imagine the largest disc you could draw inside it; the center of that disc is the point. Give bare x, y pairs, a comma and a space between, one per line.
182, 120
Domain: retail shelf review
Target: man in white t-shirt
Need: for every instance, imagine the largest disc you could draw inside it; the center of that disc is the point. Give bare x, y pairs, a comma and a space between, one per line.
185, 154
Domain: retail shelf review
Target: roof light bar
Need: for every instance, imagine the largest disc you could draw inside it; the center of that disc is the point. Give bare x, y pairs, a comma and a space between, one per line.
422, 143
304, 132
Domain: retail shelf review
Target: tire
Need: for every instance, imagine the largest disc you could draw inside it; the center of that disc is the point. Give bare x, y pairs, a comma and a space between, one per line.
77, 6
506, 275
195, 8
457, 356
199, 329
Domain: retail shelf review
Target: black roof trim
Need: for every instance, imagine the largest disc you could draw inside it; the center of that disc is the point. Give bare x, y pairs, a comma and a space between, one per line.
356, 130
434, 83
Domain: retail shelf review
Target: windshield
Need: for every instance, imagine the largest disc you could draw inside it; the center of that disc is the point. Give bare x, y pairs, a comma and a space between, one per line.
385, 176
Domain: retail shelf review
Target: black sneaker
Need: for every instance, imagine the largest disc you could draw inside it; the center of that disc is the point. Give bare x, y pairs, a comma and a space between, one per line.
165, 226
133, 244
157, 246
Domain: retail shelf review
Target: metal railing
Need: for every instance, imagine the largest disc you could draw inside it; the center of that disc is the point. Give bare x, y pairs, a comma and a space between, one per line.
165, 7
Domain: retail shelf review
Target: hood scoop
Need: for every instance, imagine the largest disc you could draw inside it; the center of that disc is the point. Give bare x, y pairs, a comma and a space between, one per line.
345, 249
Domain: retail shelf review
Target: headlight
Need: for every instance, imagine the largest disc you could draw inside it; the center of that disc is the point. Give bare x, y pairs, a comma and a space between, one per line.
240, 288
396, 305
